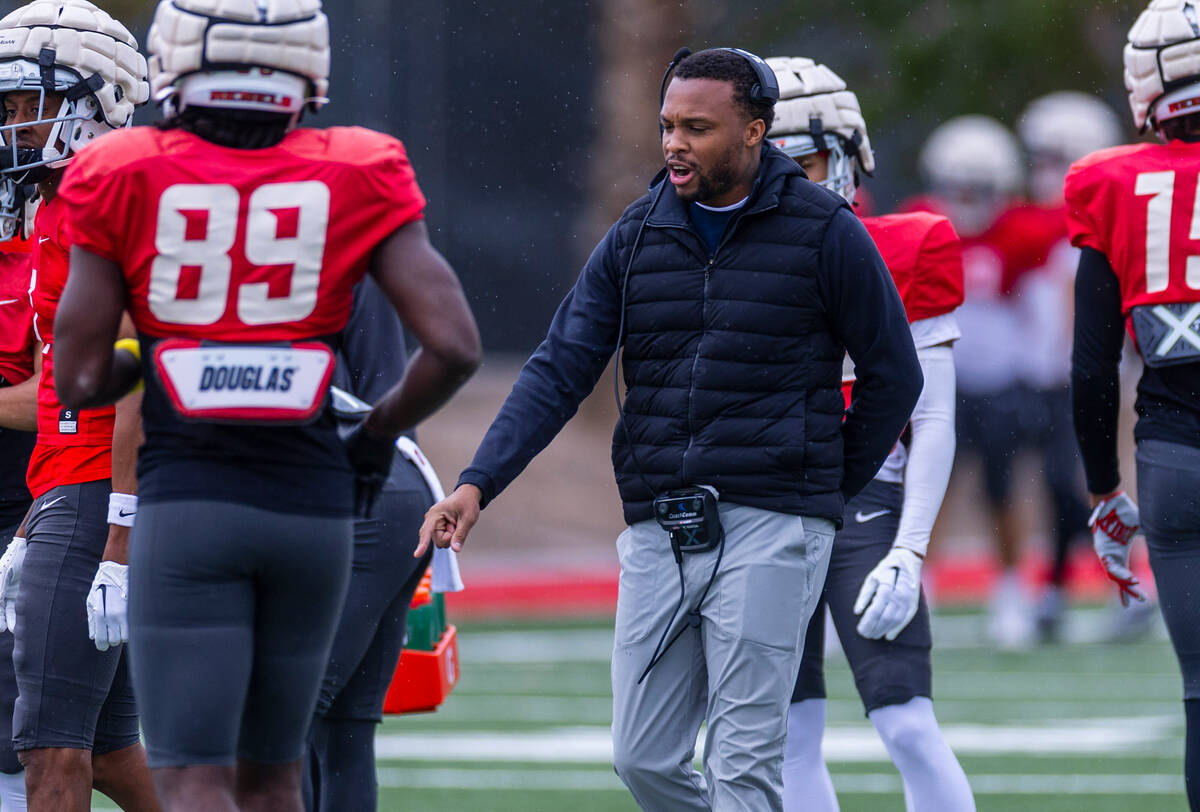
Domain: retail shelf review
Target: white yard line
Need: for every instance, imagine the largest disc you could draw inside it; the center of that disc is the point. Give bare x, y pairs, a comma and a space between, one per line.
595, 645
843, 743
858, 783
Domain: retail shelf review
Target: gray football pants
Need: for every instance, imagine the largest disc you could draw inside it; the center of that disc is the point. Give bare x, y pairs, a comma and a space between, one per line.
735, 670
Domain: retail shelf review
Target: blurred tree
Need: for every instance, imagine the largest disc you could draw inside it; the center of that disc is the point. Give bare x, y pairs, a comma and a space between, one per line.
636, 40
913, 65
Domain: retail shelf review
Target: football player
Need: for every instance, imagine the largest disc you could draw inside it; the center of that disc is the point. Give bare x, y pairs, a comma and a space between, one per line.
70, 73
873, 589
20, 365
1132, 210
235, 238
384, 576
1056, 130
974, 171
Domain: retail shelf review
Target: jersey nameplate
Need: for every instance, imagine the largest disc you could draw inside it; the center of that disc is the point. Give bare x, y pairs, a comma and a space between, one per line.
1168, 334
244, 383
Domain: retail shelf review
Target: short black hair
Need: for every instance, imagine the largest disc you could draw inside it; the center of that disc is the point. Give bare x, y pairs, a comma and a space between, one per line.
726, 66
1182, 128
239, 129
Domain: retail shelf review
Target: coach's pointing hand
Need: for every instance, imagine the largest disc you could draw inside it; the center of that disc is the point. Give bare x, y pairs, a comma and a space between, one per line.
448, 522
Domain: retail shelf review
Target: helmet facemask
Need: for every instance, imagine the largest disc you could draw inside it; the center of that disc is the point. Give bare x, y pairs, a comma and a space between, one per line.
12, 209
64, 102
842, 175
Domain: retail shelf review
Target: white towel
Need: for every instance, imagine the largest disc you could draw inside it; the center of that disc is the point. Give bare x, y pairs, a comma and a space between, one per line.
446, 577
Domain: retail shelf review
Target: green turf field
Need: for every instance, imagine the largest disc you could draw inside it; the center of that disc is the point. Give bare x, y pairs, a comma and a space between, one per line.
1081, 726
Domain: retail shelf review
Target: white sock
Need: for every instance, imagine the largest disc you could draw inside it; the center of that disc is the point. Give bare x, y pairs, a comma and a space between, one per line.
807, 786
933, 779
12, 792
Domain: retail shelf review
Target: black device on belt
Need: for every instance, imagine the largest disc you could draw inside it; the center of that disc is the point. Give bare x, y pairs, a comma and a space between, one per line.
690, 516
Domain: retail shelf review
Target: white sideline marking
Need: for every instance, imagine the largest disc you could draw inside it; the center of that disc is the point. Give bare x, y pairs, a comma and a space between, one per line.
859, 783
843, 743
595, 645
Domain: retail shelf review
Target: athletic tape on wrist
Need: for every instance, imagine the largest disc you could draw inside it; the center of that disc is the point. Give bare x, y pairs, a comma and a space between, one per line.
122, 509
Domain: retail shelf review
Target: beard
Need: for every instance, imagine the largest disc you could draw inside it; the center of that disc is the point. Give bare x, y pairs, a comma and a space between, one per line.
715, 182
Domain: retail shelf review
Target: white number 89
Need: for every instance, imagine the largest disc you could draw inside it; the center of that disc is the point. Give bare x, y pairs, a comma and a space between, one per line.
220, 203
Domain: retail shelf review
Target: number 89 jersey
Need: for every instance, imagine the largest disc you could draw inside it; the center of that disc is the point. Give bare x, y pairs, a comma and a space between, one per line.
240, 266
240, 245
1139, 206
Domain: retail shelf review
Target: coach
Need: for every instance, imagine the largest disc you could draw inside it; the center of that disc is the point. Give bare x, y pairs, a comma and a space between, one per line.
736, 288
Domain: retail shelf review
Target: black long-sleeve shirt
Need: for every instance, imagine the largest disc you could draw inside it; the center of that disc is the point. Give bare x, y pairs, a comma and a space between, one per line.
1168, 400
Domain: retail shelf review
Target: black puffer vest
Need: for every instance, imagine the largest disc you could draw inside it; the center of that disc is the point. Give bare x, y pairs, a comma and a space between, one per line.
732, 372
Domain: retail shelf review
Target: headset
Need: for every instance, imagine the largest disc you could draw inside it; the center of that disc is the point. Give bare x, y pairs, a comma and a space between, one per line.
766, 89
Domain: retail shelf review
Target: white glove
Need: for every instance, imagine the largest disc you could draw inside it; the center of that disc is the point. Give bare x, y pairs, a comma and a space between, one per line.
1114, 523
890, 594
108, 621
10, 579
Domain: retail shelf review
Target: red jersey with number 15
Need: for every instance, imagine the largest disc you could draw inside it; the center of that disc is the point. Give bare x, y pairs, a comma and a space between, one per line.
1139, 205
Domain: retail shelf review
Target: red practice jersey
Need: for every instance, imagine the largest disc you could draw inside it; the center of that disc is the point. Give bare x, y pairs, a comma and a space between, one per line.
1139, 205
240, 245
240, 266
72, 446
1018, 241
925, 258
16, 313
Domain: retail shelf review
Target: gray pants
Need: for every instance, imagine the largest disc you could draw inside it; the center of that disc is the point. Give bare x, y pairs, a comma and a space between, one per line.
735, 670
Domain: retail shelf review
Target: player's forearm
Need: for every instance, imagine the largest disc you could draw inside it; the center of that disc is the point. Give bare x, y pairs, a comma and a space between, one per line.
88, 372
127, 438
931, 452
1095, 369
429, 381
18, 406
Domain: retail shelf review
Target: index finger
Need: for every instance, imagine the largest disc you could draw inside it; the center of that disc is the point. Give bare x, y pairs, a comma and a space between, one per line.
424, 536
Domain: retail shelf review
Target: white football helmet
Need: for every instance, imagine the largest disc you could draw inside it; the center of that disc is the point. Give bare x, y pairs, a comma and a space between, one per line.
973, 165
75, 50
1162, 62
259, 55
1060, 128
816, 113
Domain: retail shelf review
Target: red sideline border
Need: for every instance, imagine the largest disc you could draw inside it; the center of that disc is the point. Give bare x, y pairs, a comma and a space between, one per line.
566, 593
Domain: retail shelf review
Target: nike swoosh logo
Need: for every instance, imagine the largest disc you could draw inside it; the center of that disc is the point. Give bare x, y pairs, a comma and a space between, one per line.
104, 598
51, 503
43, 239
861, 517
123, 514
9, 301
